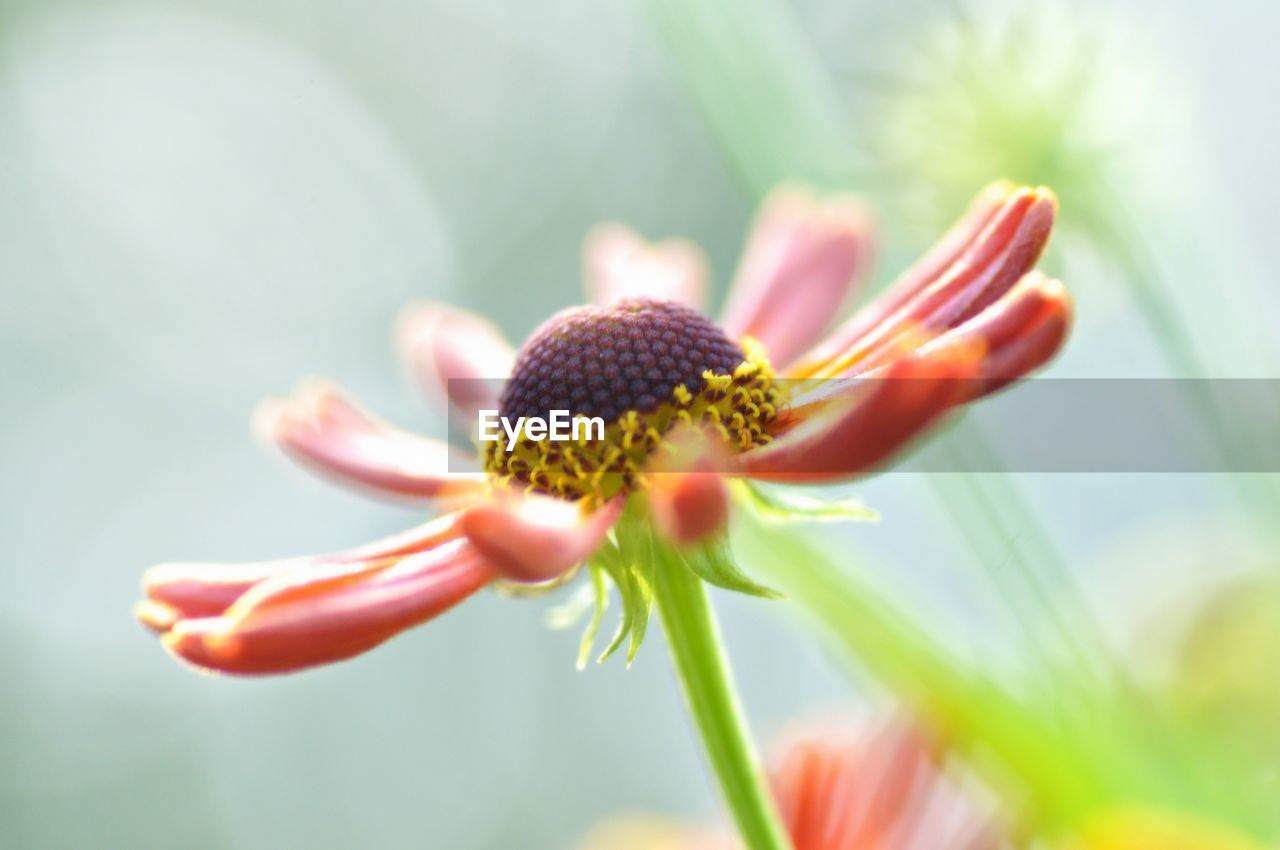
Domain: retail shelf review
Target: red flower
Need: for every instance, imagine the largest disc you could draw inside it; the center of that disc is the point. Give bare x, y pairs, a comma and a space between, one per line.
967, 319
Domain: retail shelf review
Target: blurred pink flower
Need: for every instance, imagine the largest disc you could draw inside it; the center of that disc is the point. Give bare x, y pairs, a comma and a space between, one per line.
968, 318
883, 786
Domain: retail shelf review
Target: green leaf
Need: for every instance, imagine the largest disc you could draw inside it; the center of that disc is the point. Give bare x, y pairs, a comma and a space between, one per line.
713, 563
783, 506
600, 588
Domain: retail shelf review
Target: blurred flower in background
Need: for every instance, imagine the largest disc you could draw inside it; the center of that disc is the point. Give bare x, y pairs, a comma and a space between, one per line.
1064, 96
1076, 746
879, 784
1078, 98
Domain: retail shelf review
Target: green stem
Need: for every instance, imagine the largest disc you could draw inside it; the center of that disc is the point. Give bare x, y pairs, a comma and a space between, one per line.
703, 667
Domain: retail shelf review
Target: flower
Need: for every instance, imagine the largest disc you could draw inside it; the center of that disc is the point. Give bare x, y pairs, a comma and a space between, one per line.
1048, 93
871, 786
967, 319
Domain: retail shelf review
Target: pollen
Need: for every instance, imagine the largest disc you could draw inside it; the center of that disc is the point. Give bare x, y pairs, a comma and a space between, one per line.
645, 367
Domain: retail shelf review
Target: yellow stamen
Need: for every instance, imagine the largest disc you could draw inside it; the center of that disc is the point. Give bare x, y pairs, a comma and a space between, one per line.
737, 407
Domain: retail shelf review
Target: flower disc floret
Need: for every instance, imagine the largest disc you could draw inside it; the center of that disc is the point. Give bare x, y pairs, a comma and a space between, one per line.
644, 367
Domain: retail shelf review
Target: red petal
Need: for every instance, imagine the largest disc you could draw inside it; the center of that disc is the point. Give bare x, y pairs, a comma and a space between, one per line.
803, 259
188, 590
617, 263
858, 432
1002, 245
689, 506
318, 616
459, 358
325, 431
537, 538
1020, 333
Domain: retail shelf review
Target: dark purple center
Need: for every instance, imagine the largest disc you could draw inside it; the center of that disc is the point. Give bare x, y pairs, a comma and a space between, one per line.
604, 361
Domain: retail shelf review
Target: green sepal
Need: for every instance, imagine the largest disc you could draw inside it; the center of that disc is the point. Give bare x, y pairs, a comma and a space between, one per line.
600, 589
620, 573
642, 579
713, 563
790, 505
634, 580
635, 541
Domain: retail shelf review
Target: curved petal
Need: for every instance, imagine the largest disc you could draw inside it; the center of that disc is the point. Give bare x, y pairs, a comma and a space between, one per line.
858, 431
617, 263
303, 618
183, 590
460, 359
1019, 333
180, 590
325, 431
934, 264
803, 259
535, 538
956, 282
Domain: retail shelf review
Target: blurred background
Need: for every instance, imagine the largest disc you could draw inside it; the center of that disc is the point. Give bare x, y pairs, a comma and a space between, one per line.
203, 202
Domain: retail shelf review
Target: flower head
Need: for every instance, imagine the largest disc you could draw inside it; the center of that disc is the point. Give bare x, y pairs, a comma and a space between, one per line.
685, 402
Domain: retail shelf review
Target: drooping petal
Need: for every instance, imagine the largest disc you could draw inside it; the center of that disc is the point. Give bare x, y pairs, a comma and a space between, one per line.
458, 358
617, 263
970, 269
303, 618
858, 429
328, 433
803, 259
533, 538
285, 615
180, 590
185, 590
